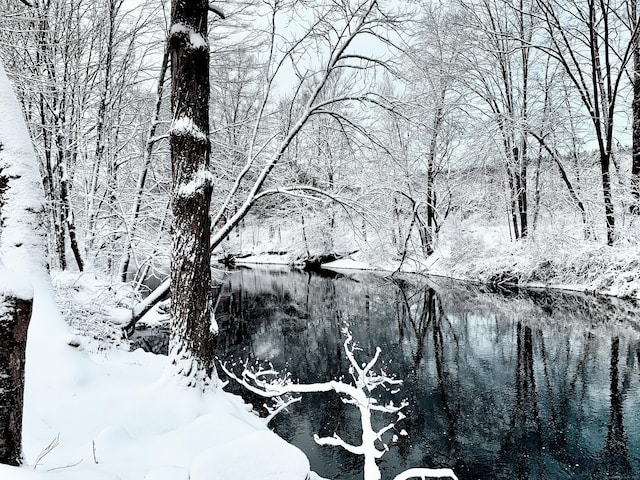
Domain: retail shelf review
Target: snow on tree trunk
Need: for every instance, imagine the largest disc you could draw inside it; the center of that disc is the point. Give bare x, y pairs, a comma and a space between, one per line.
23, 256
192, 340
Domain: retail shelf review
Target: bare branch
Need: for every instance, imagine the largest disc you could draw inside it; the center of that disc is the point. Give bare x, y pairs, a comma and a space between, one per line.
215, 9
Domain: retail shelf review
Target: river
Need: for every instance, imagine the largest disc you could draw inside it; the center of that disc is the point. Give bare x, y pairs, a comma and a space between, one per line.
517, 385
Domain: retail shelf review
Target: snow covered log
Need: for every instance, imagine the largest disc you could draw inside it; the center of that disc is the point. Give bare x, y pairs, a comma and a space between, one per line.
315, 262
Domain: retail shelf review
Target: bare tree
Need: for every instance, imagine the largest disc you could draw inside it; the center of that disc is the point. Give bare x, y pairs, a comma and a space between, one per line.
150, 143
635, 112
500, 66
426, 135
581, 36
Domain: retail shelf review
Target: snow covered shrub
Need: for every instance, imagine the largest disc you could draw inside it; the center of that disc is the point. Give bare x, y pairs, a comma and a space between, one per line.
94, 308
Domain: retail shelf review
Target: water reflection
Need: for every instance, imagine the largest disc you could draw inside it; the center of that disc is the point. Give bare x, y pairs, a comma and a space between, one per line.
537, 386
613, 460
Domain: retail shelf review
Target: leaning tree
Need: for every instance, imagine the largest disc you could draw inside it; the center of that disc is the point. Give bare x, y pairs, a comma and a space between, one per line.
23, 259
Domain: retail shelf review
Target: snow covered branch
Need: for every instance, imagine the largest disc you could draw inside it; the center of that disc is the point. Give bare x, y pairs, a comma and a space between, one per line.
267, 382
425, 473
217, 10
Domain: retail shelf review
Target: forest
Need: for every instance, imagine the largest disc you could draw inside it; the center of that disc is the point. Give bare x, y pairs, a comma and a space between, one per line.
143, 141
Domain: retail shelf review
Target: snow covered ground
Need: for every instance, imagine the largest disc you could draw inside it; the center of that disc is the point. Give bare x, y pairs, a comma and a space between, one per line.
109, 414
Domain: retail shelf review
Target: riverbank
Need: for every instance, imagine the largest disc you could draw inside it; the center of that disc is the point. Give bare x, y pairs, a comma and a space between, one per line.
95, 411
540, 263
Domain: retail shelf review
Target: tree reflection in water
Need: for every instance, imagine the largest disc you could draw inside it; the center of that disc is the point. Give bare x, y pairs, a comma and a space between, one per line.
521, 450
613, 460
500, 385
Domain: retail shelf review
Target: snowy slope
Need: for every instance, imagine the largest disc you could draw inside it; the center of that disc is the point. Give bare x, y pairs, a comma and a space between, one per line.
116, 415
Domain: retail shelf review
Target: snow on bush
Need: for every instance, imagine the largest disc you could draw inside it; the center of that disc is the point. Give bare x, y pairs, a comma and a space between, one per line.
545, 260
94, 308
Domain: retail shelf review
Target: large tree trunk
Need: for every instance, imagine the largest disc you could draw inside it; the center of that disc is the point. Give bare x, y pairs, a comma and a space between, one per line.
23, 249
15, 314
192, 341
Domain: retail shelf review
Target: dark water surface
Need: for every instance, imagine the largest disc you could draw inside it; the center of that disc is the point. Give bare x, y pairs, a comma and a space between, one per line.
518, 386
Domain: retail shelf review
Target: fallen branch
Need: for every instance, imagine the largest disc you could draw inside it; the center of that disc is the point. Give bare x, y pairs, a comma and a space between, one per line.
425, 473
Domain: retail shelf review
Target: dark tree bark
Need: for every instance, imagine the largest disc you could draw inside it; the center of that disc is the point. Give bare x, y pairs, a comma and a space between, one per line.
609, 212
635, 109
192, 340
15, 314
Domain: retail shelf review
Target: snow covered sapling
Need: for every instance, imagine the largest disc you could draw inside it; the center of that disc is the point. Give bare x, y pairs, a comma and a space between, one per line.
270, 383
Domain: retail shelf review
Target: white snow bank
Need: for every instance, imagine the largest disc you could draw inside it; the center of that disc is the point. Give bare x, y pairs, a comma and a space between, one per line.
115, 419
77, 473
114, 414
546, 262
230, 460
264, 259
